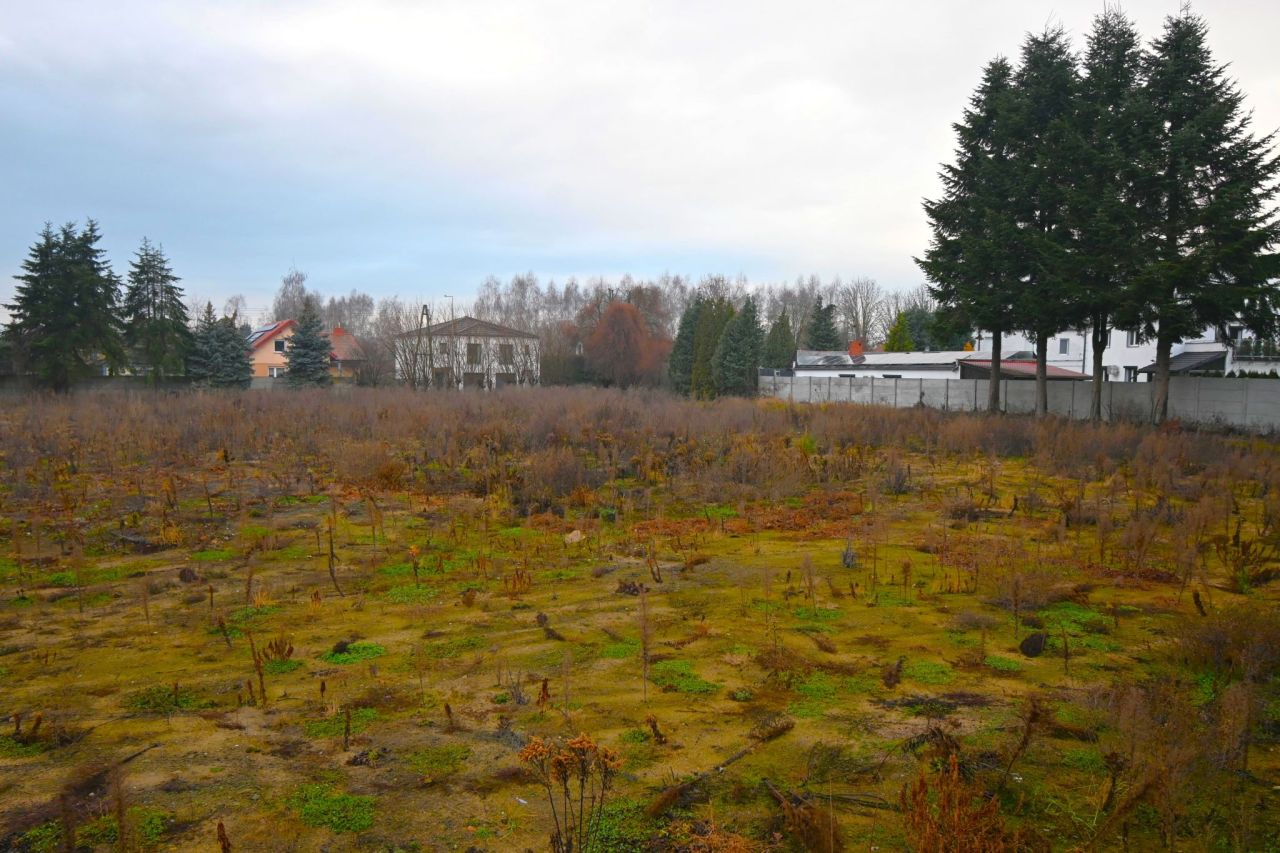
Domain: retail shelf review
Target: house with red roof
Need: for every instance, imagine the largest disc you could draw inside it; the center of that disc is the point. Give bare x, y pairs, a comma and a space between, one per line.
269, 345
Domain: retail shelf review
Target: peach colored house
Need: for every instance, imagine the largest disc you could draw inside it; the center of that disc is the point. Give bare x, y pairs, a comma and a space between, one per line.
269, 344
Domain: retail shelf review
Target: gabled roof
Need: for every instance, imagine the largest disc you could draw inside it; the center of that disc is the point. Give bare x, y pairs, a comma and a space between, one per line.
344, 346
470, 327
1186, 361
261, 335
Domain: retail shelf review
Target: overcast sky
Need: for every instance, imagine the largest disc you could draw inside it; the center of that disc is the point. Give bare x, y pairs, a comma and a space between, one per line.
414, 148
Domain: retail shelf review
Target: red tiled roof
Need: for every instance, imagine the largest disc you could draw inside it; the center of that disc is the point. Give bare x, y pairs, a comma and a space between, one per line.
344, 346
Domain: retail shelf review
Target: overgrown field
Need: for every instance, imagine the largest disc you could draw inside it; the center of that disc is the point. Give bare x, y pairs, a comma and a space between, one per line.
366, 620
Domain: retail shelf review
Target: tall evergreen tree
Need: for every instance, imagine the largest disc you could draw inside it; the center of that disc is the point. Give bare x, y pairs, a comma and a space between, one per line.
899, 339
970, 264
1042, 133
821, 333
1114, 126
780, 344
64, 318
308, 351
736, 361
1211, 188
712, 319
201, 357
680, 366
219, 355
155, 319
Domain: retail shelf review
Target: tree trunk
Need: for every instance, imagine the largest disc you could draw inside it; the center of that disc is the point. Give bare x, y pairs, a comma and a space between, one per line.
1099, 340
993, 389
1160, 400
1042, 375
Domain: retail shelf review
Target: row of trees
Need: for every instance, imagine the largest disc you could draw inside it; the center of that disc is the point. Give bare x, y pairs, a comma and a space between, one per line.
71, 315
1119, 188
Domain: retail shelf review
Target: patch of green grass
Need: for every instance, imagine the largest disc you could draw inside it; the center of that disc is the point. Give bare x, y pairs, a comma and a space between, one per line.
281, 667
163, 699
354, 653
817, 614
147, 827
1002, 664
318, 805
927, 672
622, 650
436, 762
454, 647
635, 736
817, 685
248, 616
678, 675
8, 569
1084, 759
212, 555
61, 579
1074, 618
45, 838
361, 719
623, 828
10, 748
409, 594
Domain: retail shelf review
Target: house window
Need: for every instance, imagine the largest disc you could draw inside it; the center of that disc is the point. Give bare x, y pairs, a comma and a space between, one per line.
444, 348
280, 345
1234, 332
276, 372
1132, 339
526, 351
473, 353
507, 354
1064, 346
1131, 373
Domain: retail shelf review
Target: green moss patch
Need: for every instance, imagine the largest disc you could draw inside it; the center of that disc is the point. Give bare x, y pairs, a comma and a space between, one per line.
318, 805
678, 675
354, 653
361, 719
436, 762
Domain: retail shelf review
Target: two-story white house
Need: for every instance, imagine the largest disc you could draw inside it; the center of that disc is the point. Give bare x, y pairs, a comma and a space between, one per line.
467, 353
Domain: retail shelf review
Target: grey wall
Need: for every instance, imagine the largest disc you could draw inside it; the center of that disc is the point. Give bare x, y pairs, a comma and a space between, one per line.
1246, 403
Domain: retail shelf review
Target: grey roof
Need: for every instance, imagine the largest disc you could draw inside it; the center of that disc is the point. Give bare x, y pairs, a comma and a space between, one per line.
1185, 362
470, 327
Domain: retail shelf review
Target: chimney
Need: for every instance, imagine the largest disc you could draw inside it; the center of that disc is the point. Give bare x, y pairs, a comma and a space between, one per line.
855, 348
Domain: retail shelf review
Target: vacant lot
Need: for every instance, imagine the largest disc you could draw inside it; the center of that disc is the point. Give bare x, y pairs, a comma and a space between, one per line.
333, 621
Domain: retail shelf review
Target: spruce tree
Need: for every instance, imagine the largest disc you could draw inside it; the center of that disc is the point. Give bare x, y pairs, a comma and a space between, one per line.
64, 318
155, 319
735, 364
780, 344
821, 333
1043, 125
712, 319
233, 366
308, 351
970, 264
1210, 185
1103, 206
202, 356
680, 366
899, 339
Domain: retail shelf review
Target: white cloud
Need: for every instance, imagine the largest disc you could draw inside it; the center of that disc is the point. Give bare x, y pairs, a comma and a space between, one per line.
804, 134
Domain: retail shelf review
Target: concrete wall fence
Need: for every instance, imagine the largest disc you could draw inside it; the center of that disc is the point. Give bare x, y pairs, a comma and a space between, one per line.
1252, 404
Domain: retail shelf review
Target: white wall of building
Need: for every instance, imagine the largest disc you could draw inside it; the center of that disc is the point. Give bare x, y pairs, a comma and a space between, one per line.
1123, 358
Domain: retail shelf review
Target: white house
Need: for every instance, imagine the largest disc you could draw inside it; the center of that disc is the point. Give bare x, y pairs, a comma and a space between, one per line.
467, 353
1127, 358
